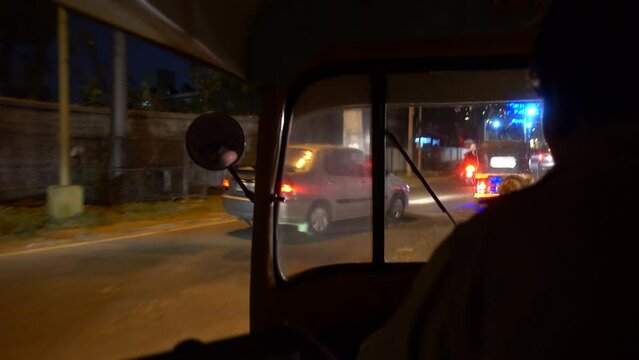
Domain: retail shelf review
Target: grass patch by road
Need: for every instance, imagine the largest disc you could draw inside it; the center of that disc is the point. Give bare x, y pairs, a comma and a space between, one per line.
21, 222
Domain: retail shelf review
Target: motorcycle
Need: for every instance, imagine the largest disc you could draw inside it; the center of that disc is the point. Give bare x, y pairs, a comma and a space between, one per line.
467, 173
469, 168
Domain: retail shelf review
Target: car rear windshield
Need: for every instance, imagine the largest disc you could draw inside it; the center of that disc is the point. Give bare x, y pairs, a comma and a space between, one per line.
298, 160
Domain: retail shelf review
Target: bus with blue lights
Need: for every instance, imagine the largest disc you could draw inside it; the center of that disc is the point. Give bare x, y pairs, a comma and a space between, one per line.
511, 139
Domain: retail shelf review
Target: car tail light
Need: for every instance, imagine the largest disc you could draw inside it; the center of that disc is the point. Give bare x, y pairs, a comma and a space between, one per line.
226, 184
287, 189
481, 187
540, 157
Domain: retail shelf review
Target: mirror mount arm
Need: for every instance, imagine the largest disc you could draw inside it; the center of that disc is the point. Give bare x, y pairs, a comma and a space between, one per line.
249, 194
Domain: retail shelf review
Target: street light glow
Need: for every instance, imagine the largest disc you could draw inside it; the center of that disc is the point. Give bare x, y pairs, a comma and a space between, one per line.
532, 110
496, 124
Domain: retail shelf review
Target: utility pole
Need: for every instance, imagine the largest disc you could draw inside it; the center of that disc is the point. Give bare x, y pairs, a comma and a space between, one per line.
410, 144
419, 147
119, 104
64, 200
63, 97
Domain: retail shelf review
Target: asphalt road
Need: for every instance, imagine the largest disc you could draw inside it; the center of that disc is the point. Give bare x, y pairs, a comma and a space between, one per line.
125, 298
140, 295
414, 238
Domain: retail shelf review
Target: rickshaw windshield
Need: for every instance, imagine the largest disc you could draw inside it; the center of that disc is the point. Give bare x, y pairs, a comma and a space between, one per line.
327, 213
513, 122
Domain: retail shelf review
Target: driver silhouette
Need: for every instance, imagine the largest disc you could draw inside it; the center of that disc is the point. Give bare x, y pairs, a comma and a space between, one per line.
547, 272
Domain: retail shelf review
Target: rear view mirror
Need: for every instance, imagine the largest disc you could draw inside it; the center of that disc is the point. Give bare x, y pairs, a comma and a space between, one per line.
215, 141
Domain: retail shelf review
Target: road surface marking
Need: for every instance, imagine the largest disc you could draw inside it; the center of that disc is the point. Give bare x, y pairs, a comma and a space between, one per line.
430, 200
120, 237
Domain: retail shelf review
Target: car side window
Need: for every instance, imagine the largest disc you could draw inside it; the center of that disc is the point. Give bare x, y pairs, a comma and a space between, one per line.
344, 162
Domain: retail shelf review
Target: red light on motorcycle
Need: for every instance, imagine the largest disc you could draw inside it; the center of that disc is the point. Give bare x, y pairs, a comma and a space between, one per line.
287, 189
481, 187
226, 184
470, 170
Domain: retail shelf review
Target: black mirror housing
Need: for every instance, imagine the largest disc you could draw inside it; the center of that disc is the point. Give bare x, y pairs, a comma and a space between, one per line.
215, 141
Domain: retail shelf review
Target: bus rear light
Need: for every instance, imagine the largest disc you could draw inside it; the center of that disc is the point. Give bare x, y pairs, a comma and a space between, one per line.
481, 187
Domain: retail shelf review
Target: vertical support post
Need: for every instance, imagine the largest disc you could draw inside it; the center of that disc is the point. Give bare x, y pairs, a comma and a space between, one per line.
410, 145
119, 102
378, 148
64, 200
353, 129
185, 172
63, 94
419, 148
484, 138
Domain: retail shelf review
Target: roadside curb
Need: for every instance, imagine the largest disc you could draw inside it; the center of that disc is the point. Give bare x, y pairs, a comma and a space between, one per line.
39, 245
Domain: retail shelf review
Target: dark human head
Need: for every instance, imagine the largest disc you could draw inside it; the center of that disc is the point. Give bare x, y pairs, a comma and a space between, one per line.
586, 62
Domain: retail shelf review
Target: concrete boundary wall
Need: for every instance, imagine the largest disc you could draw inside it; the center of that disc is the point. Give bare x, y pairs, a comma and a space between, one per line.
156, 166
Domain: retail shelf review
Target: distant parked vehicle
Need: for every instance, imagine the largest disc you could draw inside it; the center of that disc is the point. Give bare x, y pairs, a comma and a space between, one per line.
540, 162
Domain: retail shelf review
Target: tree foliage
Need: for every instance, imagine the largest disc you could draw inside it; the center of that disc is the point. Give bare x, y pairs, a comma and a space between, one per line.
218, 91
93, 88
212, 90
91, 94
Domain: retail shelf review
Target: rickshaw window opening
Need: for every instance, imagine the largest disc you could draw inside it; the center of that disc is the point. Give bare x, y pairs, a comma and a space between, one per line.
378, 73
289, 103
291, 100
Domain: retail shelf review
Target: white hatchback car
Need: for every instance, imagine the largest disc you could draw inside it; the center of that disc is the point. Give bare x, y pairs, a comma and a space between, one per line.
323, 184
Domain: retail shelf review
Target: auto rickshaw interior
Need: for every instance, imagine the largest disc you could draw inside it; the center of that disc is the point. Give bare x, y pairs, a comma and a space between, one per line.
338, 75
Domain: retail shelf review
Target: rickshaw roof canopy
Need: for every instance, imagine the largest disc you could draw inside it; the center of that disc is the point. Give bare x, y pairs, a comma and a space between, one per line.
269, 41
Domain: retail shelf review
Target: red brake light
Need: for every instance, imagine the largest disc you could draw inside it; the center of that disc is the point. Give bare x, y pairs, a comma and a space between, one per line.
540, 157
470, 170
226, 184
287, 189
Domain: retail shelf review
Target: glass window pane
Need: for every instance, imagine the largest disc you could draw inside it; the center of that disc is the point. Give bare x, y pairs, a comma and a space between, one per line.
325, 218
468, 151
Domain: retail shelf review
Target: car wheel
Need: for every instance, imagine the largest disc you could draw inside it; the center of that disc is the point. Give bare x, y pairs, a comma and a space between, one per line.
396, 209
318, 220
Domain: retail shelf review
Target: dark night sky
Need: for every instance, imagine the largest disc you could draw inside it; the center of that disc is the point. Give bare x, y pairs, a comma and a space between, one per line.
143, 57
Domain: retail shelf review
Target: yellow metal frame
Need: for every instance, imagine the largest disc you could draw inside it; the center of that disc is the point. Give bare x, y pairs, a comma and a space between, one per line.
484, 196
484, 176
